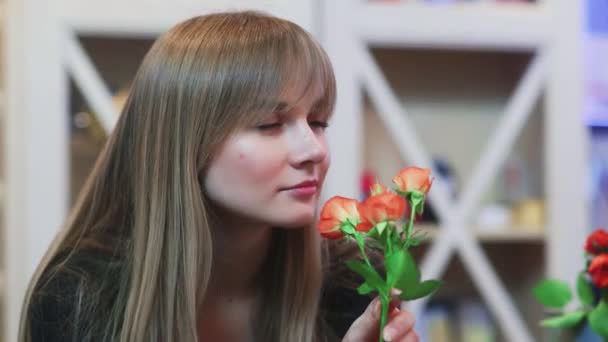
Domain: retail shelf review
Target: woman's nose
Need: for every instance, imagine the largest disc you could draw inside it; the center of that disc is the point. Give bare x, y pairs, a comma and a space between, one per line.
307, 146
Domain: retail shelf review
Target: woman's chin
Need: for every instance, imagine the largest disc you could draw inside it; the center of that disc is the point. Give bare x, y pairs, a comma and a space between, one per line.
299, 221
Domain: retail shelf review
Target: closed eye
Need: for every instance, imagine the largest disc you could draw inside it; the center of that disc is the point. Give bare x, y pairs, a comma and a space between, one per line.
269, 126
319, 124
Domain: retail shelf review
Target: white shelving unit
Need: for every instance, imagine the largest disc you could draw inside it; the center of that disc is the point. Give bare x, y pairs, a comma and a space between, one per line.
473, 24
550, 31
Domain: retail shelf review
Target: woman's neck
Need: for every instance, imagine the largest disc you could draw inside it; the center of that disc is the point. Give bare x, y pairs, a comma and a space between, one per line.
239, 253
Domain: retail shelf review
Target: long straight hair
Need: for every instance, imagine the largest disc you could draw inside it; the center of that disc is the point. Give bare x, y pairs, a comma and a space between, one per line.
143, 203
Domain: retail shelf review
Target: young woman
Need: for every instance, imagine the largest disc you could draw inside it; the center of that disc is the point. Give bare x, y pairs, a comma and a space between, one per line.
197, 222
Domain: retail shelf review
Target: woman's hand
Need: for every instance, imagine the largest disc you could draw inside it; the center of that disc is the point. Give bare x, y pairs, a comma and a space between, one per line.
399, 328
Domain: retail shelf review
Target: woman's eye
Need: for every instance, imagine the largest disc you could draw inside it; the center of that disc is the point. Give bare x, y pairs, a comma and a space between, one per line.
319, 124
269, 126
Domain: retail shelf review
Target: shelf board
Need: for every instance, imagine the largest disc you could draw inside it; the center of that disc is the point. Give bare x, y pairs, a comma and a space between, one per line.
464, 25
126, 18
505, 235
142, 18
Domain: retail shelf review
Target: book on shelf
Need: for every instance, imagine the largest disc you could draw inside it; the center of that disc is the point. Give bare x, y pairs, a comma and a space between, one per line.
461, 319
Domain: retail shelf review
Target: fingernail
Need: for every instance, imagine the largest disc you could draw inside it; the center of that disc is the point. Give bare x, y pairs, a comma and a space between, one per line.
388, 334
396, 292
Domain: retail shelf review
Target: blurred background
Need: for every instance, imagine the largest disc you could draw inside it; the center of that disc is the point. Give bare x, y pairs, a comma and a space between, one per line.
507, 101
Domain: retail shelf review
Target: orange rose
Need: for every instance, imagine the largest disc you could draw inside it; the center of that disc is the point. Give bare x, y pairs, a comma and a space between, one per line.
598, 269
336, 212
597, 242
413, 179
386, 206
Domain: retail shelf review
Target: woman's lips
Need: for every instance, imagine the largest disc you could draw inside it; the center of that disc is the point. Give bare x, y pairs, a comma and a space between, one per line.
304, 189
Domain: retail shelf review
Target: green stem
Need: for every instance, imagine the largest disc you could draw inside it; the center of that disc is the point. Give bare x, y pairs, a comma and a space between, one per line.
410, 225
361, 244
384, 315
389, 240
385, 297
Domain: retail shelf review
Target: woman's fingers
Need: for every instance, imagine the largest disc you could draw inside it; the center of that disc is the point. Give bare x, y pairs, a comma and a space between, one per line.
411, 337
394, 304
400, 327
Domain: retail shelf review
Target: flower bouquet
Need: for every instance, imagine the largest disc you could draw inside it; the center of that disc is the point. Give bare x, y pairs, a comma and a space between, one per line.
384, 222
591, 288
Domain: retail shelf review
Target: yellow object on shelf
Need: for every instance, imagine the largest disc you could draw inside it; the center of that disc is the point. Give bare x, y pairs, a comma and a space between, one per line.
529, 215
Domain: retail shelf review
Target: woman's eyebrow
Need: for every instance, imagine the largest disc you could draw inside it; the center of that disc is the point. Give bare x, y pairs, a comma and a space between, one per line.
282, 107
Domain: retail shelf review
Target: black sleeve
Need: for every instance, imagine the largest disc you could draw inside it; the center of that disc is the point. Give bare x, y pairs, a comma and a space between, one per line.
341, 307
74, 298
52, 311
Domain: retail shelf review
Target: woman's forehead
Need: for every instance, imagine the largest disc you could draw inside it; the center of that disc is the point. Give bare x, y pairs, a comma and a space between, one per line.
298, 94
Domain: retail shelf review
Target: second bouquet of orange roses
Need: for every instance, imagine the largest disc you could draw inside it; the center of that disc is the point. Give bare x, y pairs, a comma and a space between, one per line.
384, 221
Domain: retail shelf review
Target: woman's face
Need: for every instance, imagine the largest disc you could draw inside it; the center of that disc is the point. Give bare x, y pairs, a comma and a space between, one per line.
272, 172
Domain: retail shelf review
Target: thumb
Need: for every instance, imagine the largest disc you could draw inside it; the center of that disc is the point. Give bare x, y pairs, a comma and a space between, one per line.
367, 326
373, 311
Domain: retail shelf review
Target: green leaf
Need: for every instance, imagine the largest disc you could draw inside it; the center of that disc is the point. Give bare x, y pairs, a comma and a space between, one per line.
381, 227
420, 290
420, 208
402, 193
598, 320
353, 221
553, 293
365, 288
584, 290
567, 320
369, 275
360, 240
348, 229
417, 197
373, 233
411, 275
395, 267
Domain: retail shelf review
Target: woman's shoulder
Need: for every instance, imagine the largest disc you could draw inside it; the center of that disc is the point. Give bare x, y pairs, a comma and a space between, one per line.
52, 307
58, 308
76, 269
341, 306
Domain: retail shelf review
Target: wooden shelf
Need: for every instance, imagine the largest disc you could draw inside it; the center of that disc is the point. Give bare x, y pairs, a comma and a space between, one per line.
138, 18
504, 235
476, 25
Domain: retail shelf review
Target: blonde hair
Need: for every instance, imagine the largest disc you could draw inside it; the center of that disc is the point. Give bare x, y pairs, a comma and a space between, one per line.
143, 204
